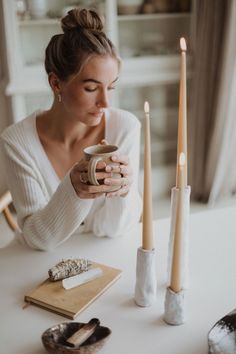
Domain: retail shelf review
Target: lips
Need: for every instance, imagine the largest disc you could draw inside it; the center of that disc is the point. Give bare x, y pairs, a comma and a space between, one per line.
97, 114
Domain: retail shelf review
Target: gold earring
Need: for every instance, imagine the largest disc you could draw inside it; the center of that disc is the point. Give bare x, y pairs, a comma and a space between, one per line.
59, 97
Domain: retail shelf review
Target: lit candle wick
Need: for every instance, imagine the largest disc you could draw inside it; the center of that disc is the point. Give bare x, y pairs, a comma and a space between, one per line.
183, 45
146, 107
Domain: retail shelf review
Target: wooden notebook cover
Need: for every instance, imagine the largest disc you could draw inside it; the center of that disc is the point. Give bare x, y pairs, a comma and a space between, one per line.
69, 303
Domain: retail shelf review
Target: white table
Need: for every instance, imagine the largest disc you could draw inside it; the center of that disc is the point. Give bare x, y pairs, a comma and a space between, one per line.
137, 330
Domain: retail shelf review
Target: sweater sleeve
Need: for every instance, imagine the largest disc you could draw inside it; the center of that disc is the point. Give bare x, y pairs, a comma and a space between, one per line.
45, 220
118, 214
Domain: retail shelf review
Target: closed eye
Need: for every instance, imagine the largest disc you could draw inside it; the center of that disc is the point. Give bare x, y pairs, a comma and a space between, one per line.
90, 89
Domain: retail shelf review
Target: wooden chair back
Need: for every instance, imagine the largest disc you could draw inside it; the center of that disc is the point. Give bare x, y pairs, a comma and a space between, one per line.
5, 201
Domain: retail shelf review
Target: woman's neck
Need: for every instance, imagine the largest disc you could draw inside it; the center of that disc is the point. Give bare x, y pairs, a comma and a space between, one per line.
54, 125
64, 139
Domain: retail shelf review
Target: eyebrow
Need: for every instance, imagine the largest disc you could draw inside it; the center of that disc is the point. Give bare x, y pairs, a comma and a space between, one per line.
98, 82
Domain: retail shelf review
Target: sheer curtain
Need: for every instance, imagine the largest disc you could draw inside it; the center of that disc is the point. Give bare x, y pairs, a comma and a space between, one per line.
221, 172
212, 125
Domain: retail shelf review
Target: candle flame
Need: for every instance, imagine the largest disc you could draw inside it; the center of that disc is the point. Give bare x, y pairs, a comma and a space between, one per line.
146, 107
183, 45
182, 159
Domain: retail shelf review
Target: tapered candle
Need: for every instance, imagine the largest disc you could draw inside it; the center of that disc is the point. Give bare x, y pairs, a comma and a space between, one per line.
147, 188
175, 283
182, 119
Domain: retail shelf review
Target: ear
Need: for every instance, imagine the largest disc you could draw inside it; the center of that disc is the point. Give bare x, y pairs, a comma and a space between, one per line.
54, 82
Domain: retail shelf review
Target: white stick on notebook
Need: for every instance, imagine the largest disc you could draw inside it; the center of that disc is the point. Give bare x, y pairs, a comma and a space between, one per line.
82, 278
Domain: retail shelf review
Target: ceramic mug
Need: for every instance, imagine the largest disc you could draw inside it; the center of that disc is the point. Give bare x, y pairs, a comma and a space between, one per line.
95, 153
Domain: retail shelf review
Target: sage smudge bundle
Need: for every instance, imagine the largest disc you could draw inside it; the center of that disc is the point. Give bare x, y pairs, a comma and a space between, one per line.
69, 267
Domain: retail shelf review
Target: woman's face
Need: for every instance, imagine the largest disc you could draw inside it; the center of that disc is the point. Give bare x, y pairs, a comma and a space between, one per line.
85, 95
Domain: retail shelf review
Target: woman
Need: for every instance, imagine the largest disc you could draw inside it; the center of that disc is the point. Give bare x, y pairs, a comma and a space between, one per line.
43, 154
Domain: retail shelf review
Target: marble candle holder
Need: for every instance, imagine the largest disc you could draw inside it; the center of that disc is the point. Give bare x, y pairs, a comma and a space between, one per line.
174, 307
146, 284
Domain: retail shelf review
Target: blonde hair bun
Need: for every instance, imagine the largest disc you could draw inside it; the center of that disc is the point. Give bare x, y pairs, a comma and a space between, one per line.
83, 37
81, 19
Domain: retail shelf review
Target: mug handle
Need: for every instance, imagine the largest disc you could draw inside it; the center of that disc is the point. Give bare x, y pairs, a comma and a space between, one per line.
92, 165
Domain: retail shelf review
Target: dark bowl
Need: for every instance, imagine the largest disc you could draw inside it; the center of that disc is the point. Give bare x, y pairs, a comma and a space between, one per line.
54, 339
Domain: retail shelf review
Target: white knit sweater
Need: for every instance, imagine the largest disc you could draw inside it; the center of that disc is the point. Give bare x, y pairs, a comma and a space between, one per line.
48, 210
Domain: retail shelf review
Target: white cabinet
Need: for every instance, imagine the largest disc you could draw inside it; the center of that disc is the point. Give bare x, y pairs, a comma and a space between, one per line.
149, 47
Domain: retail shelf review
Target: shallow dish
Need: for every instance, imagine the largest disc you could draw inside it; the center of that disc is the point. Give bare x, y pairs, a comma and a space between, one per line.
54, 339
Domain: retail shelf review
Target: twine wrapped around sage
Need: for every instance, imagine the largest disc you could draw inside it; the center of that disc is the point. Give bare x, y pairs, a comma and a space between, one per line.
69, 267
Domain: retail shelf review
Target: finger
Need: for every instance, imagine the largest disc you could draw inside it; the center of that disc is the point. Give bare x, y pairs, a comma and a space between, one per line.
83, 190
101, 165
102, 175
95, 189
126, 170
121, 159
122, 169
122, 192
83, 176
124, 181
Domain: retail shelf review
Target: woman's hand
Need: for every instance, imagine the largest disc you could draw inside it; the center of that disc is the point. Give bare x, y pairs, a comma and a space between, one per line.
79, 177
126, 176
124, 169
79, 180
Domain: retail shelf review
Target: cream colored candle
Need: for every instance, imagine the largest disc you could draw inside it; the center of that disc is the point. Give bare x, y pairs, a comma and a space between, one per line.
175, 284
182, 119
147, 190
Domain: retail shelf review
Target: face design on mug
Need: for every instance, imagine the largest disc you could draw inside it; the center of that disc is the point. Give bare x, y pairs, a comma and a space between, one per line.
86, 94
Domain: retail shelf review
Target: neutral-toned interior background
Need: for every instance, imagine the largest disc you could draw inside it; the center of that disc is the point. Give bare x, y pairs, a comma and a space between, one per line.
152, 57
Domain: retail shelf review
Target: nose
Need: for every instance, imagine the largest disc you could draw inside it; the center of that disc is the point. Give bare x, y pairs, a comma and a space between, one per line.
103, 99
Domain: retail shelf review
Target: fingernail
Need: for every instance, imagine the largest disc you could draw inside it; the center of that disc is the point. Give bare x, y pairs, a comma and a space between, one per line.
108, 168
114, 158
106, 181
